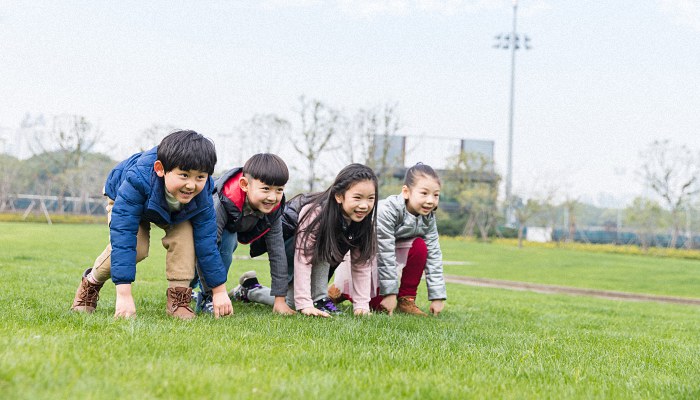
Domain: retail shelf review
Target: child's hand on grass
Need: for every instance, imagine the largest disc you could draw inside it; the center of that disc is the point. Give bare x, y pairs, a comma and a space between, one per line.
362, 312
314, 312
221, 301
436, 307
280, 307
389, 303
125, 307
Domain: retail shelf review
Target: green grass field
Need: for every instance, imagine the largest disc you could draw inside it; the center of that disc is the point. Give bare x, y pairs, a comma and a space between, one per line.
561, 266
489, 343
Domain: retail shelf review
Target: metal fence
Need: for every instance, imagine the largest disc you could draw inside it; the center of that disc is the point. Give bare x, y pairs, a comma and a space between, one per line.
47, 205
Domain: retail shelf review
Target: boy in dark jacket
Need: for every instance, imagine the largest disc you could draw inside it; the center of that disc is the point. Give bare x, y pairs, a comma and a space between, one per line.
249, 203
170, 186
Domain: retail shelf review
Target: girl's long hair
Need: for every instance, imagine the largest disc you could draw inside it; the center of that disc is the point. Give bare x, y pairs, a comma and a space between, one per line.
326, 227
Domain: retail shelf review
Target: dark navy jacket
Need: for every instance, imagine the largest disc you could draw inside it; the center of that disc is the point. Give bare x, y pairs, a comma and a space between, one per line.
139, 195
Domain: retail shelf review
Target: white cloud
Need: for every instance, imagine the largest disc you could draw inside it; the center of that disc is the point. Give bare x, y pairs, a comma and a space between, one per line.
370, 8
683, 12
373, 8
366, 9
535, 7
273, 4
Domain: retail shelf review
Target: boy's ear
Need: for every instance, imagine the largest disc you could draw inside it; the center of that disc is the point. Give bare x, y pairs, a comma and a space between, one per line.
158, 167
404, 192
243, 183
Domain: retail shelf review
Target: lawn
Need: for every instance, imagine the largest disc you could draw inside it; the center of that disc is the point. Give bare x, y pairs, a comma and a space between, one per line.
566, 267
489, 343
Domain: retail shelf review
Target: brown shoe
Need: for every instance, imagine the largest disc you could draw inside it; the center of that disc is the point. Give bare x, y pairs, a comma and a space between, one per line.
87, 295
407, 304
335, 294
179, 302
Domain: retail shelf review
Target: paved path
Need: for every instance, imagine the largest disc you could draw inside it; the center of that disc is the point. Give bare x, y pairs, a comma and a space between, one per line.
539, 288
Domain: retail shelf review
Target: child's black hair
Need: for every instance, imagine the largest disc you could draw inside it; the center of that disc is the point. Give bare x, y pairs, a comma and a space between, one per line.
418, 170
327, 226
268, 168
187, 150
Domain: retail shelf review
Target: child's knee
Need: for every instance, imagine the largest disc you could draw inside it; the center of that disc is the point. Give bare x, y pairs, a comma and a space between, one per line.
419, 247
142, 251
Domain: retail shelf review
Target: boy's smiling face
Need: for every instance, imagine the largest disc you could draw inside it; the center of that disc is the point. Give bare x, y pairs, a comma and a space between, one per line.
183, 185
261, 196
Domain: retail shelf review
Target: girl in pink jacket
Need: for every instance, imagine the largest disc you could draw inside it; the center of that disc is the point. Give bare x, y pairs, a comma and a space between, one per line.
341, 219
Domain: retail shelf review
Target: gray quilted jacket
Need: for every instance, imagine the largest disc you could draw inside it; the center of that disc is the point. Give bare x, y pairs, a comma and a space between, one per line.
394, 222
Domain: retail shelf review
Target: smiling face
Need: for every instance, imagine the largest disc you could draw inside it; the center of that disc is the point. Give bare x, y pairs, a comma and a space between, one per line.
261, 196
423, 197
183, 185
358, 201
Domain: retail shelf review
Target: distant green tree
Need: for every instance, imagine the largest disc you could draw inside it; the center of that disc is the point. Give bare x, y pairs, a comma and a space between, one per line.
469, 182
570, 206
10, 179
646, 217
524, 211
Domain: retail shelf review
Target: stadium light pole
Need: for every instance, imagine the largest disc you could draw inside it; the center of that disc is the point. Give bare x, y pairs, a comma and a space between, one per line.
511, 41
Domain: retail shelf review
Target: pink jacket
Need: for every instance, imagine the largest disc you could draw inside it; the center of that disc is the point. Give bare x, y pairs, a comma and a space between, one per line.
361, 273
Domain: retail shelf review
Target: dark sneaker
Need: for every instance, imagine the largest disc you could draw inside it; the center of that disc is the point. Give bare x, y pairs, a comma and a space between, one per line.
196, 296
326, 304
407, 305
247, 282
86, 296
178, 304
239, 293
205, 304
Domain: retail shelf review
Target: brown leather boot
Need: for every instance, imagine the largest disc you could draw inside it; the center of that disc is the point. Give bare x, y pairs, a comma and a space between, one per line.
178, 305
86, 296
407, 304
335, 294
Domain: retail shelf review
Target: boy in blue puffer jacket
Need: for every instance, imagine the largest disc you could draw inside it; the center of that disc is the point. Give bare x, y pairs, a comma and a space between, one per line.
170, 186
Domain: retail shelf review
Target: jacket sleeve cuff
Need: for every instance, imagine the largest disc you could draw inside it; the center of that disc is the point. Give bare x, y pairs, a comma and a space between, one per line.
387, 288
303, 305
214, 283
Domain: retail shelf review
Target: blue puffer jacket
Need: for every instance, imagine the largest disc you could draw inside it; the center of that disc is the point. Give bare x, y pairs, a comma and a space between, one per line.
139, 195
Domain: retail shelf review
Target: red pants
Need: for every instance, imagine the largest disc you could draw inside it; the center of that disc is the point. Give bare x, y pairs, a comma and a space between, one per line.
412, 272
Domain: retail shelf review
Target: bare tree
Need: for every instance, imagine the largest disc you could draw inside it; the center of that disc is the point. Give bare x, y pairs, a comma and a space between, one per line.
151, 136
67, 140
65, 143
319, 125
387, 124
570, 206
672, 173
264, 133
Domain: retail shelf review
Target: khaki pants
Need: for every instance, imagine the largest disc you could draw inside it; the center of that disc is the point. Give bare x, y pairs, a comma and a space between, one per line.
178, 242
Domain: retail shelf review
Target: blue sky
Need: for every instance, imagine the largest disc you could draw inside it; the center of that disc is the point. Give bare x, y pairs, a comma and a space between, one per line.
602, 81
